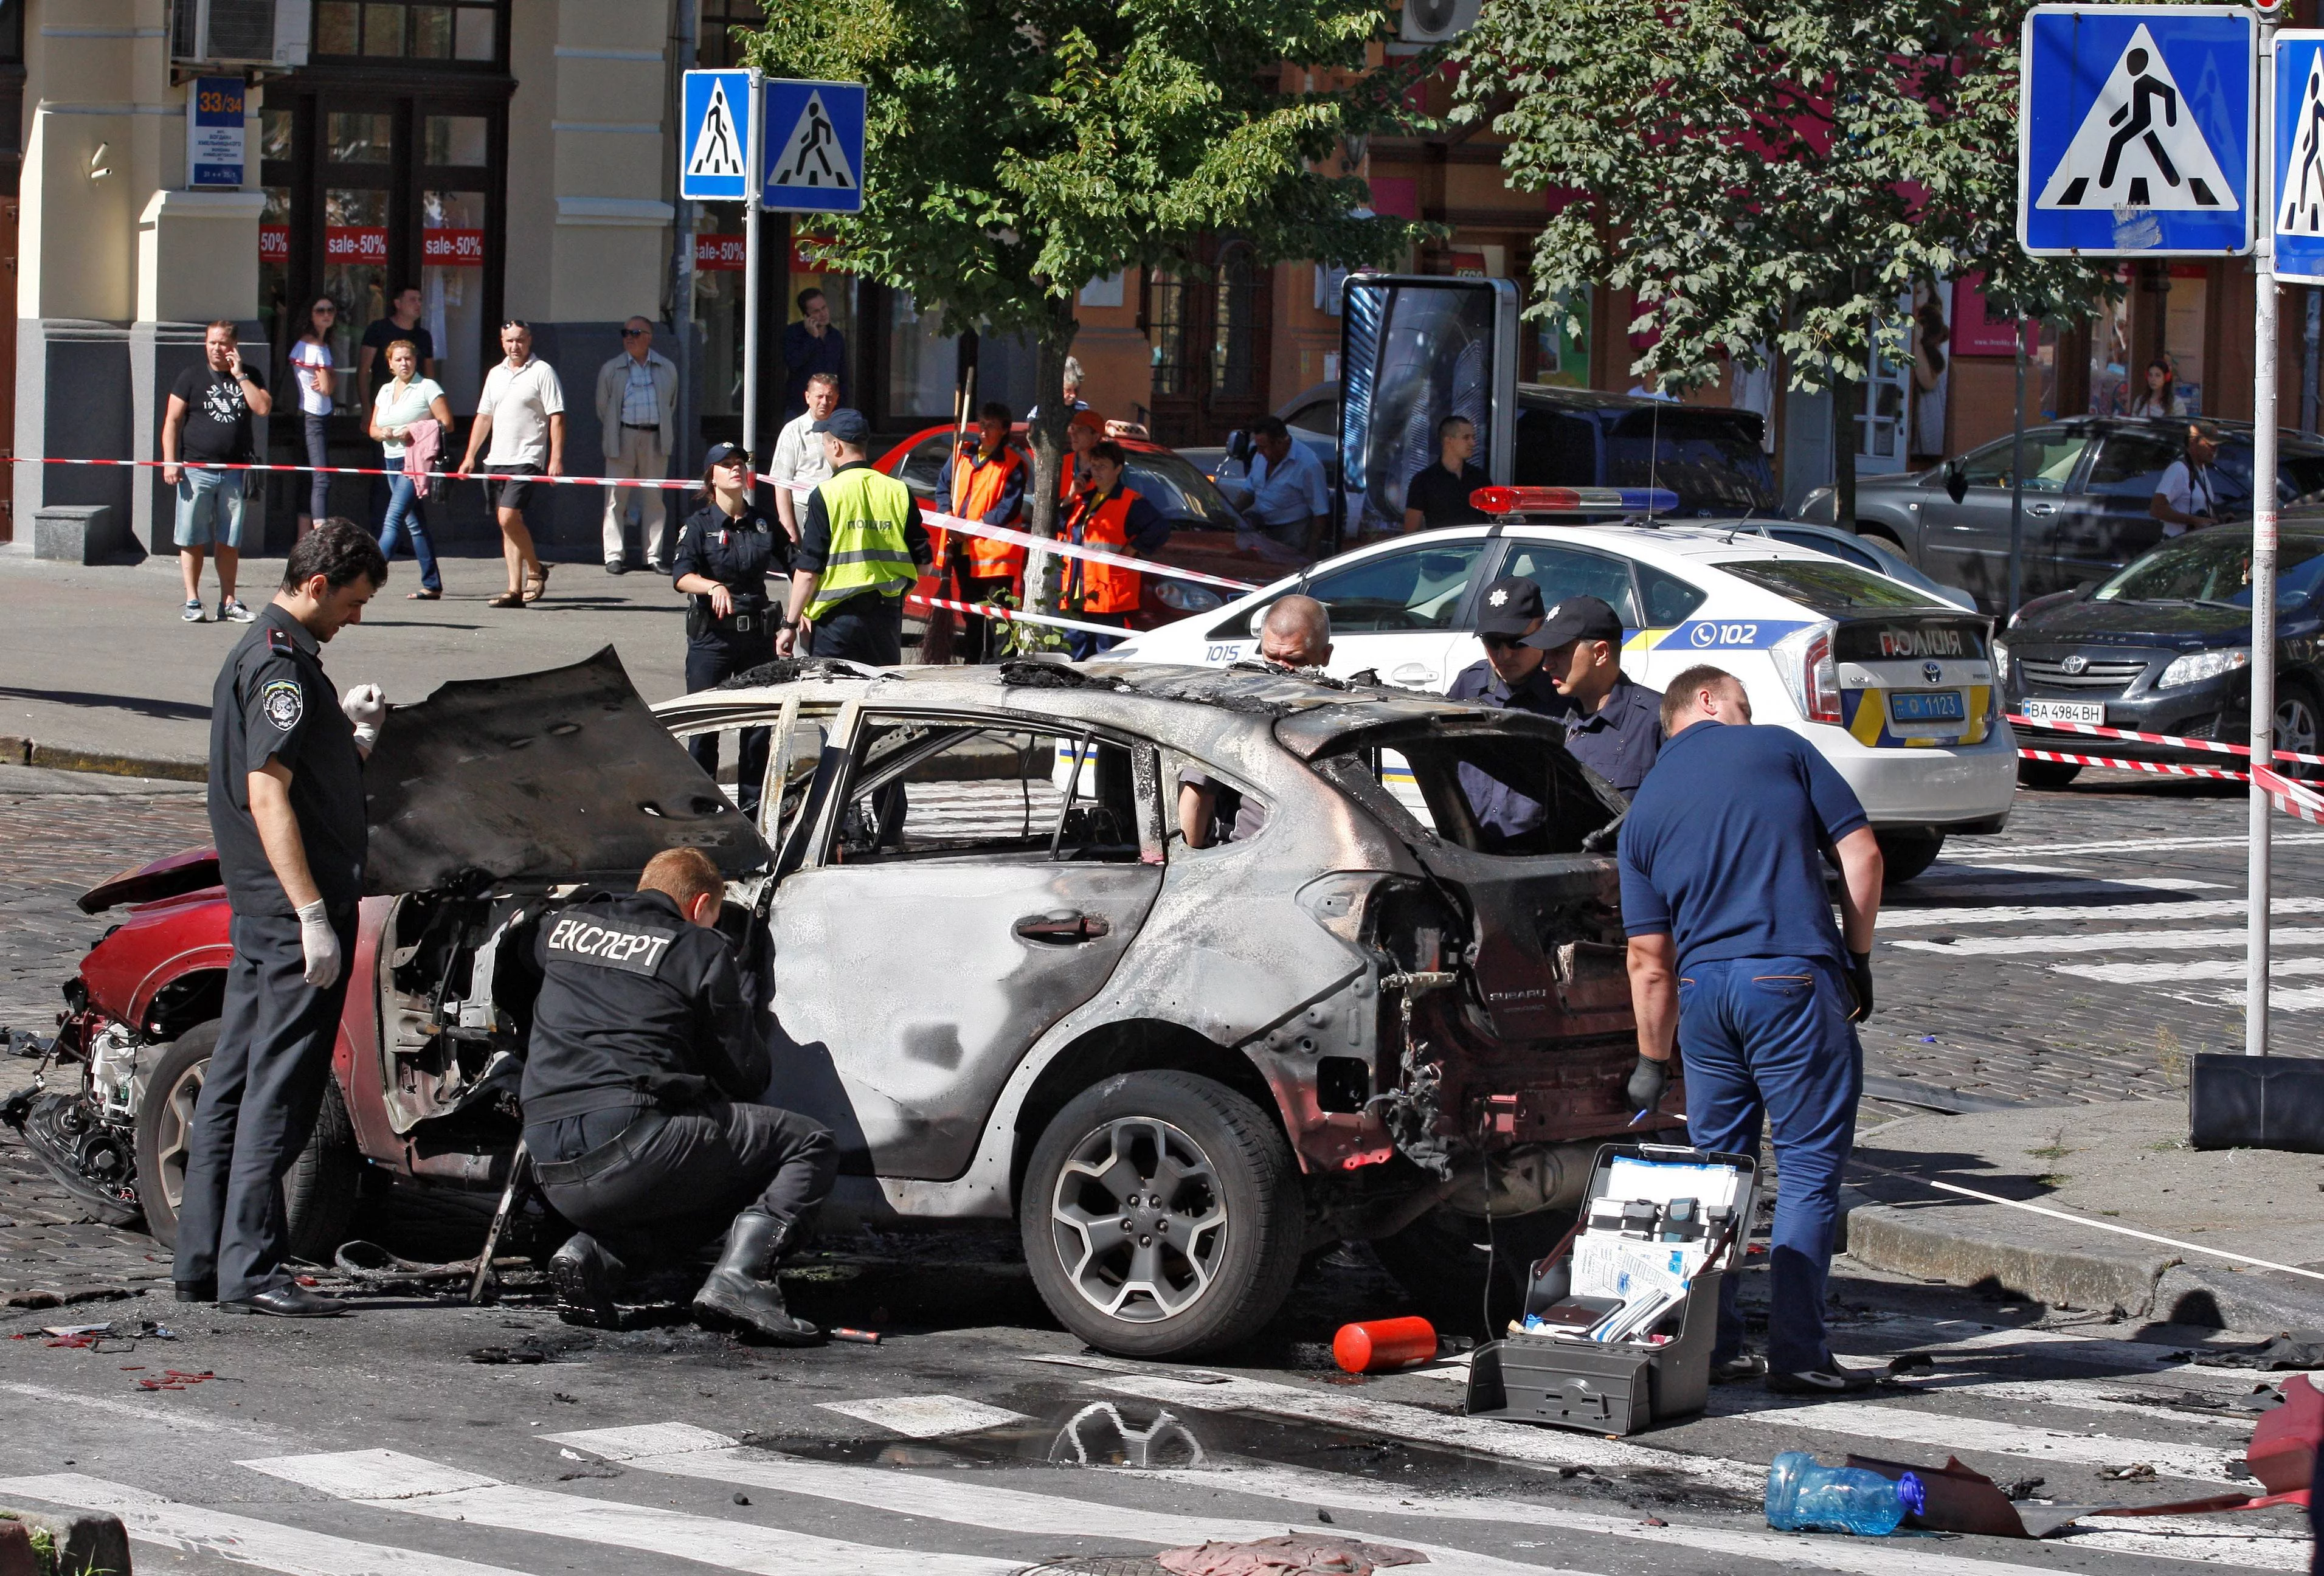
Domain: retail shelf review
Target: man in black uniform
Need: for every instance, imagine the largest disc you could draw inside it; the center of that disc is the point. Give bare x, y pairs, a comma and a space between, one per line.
725, 550
286, 807
645, 1061
1616, 727
1510, 678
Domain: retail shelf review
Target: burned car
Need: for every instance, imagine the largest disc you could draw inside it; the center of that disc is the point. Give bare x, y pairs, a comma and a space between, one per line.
994, 968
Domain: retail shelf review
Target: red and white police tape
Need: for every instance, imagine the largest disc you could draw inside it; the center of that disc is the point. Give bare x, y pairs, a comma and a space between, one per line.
951, 522
2210, 746
1017, 615
2166, 767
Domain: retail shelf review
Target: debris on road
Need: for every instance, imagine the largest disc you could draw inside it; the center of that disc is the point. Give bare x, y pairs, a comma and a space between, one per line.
2298, 1349
2134, 1472
854, 1337
1291, 1555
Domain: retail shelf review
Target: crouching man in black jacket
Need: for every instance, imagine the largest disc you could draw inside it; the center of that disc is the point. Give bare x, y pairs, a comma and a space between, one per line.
645, 1063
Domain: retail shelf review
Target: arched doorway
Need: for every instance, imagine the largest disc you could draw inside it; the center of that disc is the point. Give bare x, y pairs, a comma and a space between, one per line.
1210, 332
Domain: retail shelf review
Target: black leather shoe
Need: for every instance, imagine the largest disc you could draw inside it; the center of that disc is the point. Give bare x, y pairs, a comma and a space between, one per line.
585, 1275
616, 567
288, 1301
196, 1291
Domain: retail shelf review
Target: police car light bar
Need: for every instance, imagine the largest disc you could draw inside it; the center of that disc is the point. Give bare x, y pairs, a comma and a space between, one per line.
1574, 500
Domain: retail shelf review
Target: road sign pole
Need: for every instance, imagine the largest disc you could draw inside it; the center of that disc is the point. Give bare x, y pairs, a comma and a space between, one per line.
2263, 566
753, 183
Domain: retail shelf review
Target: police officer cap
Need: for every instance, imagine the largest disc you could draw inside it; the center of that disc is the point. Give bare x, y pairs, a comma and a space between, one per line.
1577, 617
720, 453
1509, 608
847, 426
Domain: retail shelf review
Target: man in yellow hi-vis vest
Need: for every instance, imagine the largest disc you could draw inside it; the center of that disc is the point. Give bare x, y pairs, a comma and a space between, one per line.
861, 546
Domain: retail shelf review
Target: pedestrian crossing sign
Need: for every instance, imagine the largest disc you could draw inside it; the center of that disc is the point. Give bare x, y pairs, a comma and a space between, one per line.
2299, 149
815, 147
715, 137
2136, 131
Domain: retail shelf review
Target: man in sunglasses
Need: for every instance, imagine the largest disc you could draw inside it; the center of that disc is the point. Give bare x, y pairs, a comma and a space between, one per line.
1511, 677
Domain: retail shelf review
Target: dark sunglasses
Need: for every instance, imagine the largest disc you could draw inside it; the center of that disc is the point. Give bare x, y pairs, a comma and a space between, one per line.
517, 323
1500, 642
637, 333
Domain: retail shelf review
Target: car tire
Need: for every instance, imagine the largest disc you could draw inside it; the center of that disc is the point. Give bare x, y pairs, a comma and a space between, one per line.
1445, 1260
1233, 1195
2299, 726
2046, 774
1905, 854
1881, 533
320, 1191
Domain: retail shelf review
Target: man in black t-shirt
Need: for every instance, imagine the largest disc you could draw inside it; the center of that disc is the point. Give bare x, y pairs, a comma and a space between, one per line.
403, 322
1439, 495
209, 424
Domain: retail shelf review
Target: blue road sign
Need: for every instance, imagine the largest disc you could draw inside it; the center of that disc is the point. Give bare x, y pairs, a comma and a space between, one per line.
2298, 147
815, 147
2136, 131
715, 137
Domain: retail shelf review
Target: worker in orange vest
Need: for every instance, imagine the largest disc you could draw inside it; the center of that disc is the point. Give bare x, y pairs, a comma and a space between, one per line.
984, 481
1083, 433
1115, 519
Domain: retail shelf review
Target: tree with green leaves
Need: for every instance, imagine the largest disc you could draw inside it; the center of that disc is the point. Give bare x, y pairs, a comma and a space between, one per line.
1768, 176
1018, 149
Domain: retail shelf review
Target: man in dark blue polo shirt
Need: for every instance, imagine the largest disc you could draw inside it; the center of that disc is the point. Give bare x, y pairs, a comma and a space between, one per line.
1510, 678
1733, 952
1616, 726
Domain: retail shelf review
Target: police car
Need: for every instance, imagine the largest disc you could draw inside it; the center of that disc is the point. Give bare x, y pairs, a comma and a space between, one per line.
1894, 688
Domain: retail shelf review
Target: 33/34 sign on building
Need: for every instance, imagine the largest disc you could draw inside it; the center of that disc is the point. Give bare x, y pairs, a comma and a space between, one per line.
2134, 131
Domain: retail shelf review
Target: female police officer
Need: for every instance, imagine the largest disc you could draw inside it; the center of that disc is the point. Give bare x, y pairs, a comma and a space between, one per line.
724, 553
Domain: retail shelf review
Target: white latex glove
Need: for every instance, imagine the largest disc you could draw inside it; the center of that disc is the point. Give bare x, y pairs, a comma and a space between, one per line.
320, 943
366, 707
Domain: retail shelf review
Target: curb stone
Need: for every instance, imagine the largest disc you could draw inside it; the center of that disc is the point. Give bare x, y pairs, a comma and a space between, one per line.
87, 1542
1954, 1244
57, 758
2232, 1299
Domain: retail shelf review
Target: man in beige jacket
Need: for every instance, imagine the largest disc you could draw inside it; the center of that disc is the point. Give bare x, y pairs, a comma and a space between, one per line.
637, 420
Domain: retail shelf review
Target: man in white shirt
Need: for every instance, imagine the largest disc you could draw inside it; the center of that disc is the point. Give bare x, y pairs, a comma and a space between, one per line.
2187, 498
637, 408
522, 412
800, 459
1286, 494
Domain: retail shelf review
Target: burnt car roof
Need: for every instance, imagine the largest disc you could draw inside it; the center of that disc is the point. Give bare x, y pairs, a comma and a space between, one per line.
564, 775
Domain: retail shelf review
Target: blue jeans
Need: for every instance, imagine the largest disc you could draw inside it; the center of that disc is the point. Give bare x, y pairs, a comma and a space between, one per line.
318, 452
403, 517
1769, 1038
1083, 644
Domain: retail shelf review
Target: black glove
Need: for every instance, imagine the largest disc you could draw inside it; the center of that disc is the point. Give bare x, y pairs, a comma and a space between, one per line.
1859, 980
1646, 1086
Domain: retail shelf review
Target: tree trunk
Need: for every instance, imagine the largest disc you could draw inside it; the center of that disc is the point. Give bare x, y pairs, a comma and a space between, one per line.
1047, 436
1846, 394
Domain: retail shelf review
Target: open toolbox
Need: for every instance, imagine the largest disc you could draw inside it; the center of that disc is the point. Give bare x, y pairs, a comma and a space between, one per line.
1620, 1316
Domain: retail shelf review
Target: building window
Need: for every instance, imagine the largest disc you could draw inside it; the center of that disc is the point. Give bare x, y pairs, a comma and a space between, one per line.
1165, 311
455, 30
1233, 362
716, 45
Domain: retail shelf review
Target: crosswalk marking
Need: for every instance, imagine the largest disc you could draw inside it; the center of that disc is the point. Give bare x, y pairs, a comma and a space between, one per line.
2178, 973
2030, 947
193, 1529
396, 1481
2247, 1540
924, 1416
2093, 886
2019, 913
2140, 845
1964, 1435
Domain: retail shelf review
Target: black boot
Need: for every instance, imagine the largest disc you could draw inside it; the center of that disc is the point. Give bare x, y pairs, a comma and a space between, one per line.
743, 1288
585, 1275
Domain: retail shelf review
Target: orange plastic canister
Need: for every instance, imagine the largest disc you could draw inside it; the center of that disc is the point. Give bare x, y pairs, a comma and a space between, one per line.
1383, 1344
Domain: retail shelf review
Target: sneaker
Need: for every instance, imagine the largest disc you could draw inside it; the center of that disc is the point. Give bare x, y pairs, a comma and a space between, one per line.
192, 611
231, 610
1830, 1379
616, 567
1747, 1365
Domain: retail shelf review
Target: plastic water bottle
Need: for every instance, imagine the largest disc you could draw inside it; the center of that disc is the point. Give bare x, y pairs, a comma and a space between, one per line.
1803, 1497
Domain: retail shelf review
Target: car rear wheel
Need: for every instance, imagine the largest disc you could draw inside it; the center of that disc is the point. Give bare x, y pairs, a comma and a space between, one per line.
2297, 727
1905, 854
1444, 1260
2046, 774
320, 1191
1162, 1216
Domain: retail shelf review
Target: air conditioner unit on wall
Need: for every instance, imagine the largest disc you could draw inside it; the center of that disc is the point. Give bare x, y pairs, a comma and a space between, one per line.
240, 33
1432, 22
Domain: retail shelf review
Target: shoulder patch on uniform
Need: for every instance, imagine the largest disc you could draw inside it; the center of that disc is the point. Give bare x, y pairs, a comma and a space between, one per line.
635, 949
284, 702
279, 639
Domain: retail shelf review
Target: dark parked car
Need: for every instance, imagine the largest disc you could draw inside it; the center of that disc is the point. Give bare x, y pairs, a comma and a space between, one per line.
2164, 647
2088, 485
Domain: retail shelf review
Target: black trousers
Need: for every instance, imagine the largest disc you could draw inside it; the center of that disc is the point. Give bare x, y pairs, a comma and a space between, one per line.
982, 635
654, 1187
706, 665
867, 628
258, 1105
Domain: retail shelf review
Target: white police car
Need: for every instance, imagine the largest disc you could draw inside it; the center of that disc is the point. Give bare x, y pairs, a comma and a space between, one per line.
1893, 687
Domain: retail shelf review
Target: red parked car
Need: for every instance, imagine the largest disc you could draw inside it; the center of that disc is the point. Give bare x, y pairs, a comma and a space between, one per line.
1206, 534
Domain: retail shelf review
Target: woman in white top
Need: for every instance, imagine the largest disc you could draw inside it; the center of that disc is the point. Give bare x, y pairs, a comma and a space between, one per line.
2160, 399
406, 398
312, 360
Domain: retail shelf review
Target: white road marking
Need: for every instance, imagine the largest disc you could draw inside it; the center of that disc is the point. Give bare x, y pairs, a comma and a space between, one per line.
2173, 974
2022, 913
924, 1416
1951, 1431
168, 1422
2277, 1539
396, 1481
2026, 947
2306, 1000
1857, 1556
193, 1529
2139, 845
1947, 870
2094, 886
2079, 1396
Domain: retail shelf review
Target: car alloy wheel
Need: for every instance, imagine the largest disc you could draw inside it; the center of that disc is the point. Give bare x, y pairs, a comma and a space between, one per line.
1138, 1219
2296, 731
175, 1133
